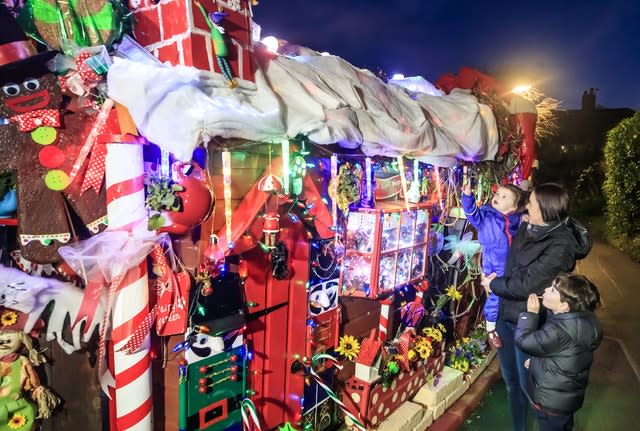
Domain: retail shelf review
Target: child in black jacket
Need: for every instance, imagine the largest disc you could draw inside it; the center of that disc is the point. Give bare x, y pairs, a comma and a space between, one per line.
561, 350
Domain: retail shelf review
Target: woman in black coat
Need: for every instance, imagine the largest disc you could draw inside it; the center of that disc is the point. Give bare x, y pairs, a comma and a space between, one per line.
541, 249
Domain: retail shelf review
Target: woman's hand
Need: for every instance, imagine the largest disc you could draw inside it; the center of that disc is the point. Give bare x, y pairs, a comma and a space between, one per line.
533, 304
486, 281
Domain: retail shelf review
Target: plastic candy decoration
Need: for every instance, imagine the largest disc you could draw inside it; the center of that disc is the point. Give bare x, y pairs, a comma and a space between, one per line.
65, 26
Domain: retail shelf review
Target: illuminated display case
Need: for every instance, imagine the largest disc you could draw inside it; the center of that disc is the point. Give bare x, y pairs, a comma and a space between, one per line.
385, 247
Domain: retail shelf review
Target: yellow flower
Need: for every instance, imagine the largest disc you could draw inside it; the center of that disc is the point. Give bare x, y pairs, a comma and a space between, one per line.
8, 318
17, 421
465, 340
442, 328
423, 347
453, 293
434, 333
348, 347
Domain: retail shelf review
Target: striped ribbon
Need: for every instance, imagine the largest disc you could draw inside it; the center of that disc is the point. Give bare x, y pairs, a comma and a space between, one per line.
329, 391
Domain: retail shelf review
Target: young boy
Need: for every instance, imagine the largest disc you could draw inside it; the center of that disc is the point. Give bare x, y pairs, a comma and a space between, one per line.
495, 223
561, 350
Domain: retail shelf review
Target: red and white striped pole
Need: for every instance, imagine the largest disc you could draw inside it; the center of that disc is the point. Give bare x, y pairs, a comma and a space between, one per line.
384, 322
124, 175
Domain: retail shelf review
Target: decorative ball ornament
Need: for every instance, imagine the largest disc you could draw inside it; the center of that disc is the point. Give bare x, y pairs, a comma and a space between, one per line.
271, 228
213, 256
270, 184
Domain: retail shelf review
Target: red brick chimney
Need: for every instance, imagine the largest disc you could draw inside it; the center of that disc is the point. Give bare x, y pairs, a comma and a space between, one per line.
175, 31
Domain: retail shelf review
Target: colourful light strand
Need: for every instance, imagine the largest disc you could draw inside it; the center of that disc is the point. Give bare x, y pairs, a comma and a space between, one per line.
403, 181
334, 188
226, 176
438, 186
367, 163
286, 173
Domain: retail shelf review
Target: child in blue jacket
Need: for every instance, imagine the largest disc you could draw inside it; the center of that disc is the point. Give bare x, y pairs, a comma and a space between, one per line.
495, 223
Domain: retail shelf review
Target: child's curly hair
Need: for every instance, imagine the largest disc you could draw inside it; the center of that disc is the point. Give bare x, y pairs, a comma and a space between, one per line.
577, 291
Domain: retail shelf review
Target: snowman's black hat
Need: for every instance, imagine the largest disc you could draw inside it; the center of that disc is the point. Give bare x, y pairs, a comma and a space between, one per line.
16, 50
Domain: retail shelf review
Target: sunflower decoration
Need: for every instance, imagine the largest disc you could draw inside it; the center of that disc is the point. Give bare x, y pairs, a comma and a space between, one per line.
349, 347
423, 347
435, 333
8, 318
18, 420
453, 293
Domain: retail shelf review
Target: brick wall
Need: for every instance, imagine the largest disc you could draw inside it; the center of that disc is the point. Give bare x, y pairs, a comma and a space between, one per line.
175, 31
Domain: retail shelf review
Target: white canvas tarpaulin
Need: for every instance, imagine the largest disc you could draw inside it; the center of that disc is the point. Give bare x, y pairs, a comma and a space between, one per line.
323, 97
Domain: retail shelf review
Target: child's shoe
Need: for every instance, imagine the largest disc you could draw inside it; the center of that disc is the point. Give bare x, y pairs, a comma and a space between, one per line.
494, 340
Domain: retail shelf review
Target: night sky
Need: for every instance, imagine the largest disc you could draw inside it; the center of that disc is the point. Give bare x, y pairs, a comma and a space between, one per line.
562, 47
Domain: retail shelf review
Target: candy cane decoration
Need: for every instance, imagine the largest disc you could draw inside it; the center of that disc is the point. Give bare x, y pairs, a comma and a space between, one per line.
125, 209
383, 323
329, 391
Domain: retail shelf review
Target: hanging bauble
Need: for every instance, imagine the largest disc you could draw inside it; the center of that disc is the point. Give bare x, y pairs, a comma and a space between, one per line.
270, 184
270, 229
213, 256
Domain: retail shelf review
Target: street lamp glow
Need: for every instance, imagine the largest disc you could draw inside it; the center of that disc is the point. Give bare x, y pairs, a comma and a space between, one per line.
271, 43
520, 89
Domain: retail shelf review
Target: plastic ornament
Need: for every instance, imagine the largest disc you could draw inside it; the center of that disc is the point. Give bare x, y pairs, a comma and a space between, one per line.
270, 229
298, 171
213, 256
270, 184
393, 367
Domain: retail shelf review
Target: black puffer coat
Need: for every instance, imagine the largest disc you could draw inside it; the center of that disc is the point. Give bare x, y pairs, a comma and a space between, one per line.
561, 355
536, 257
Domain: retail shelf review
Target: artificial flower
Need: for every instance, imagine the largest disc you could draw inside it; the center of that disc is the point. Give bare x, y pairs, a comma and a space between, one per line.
423, 347
348, 347
434, 333
453, 293
8, 318
17, 421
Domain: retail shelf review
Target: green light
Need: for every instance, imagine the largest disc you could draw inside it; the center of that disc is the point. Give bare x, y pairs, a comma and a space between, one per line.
264, 247
201, 310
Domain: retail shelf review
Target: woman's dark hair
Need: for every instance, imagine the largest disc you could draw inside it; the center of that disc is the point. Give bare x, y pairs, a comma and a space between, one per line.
553, 200
577, 291
520, 195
